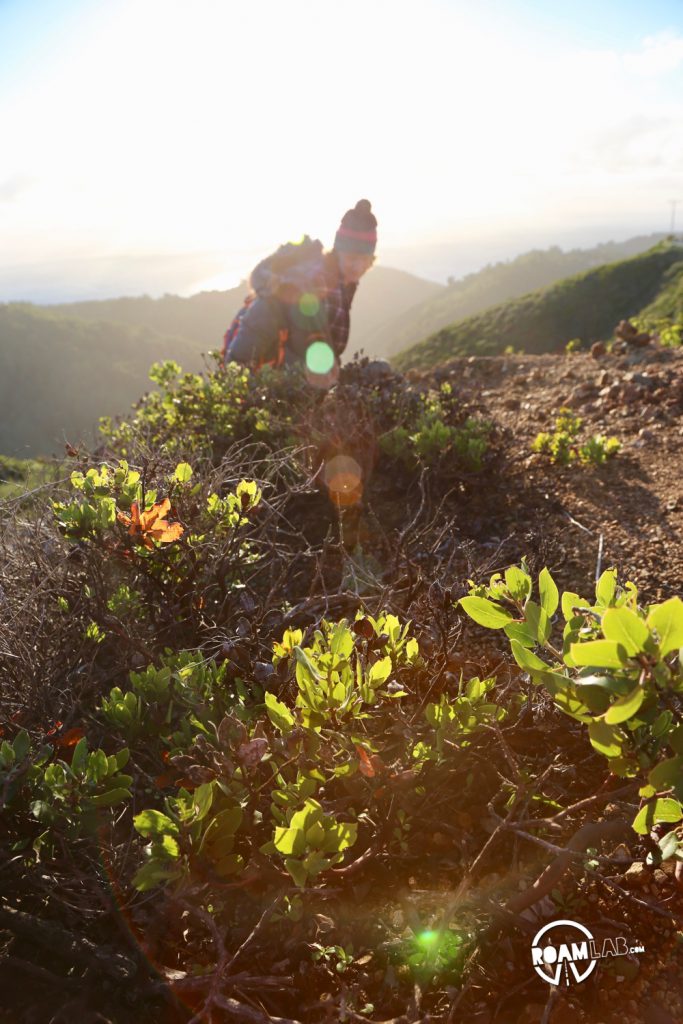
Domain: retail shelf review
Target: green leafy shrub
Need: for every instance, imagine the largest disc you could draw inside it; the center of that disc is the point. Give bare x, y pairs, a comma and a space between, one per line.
431, 437
618, 671
63, 795
332, 679
563, 446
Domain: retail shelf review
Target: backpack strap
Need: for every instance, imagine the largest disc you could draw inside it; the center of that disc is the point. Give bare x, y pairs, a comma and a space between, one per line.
235, 326
282, 339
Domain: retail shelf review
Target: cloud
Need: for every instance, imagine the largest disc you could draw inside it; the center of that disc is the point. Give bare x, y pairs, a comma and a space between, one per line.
13, 186
659, 55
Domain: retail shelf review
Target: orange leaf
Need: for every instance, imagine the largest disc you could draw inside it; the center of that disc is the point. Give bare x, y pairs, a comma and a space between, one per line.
369, 764
150, 525
70, 738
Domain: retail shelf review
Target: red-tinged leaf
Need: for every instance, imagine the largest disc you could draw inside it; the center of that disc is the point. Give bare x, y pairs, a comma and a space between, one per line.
70, 738
163, 781
363, 627
185, 784
402, 778
70, 450
369, 764
251, 753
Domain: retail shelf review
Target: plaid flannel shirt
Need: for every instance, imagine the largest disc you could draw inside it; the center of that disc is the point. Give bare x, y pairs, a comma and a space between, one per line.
337, 297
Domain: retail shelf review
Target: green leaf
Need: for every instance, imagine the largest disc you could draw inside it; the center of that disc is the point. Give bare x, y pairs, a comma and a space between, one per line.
626, 707
668, 845
110, 798
605, 588
661, 724
663, 809
79, 760
289, 840
539, 621
297, 871
168, 845
230, 864
305, 662
522, 632
606, 739
227, 822
675, 740
485, 613
518, 583
21, 745
380, 671
152, 824
527, 659
153, 874
202, 800
667, 773
549, 593
626, 628
98, 766
183, 472
598, 654
570, 601
667, 620
279, 714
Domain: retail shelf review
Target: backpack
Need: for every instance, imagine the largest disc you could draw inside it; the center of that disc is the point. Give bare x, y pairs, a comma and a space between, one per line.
285, 271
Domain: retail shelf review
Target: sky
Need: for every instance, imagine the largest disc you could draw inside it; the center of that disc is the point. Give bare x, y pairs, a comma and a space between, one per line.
153, 146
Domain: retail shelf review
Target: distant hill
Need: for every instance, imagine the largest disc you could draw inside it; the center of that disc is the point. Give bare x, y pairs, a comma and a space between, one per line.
62, 367
59, 374
585, 306
496, 283
203, 318
200, 319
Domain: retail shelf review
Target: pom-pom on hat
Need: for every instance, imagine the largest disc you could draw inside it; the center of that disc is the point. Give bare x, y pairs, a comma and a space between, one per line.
358, 230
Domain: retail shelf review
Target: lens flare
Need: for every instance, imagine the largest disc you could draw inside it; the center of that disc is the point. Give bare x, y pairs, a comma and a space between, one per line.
319, 357
309, 304
344, 479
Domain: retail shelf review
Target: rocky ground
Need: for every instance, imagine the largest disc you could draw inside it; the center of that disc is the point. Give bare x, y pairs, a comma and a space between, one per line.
634, 502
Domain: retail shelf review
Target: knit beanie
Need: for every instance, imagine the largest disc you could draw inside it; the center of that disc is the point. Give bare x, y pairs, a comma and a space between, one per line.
358, 230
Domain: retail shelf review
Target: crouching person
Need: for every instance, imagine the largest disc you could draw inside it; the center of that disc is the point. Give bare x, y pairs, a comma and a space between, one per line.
298, 309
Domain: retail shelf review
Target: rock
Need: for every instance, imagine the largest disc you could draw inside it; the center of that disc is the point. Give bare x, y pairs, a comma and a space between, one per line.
631, 392
637, 875
598, 349
378, 369
604, 379
579, 395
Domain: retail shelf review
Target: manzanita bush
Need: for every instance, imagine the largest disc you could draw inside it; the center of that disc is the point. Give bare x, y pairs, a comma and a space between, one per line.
611, 664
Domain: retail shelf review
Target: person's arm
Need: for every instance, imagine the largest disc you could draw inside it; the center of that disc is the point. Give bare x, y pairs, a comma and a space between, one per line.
257, 336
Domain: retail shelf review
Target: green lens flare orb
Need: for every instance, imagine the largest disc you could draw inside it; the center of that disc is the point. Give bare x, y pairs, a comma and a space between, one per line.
309, 304
319, 357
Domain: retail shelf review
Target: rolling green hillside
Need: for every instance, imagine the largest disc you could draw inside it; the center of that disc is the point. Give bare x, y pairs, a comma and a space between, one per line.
494, 284
58, 375
585, 306
669, 301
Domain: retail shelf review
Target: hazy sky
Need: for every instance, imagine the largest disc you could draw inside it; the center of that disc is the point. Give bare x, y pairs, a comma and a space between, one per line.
172, 143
